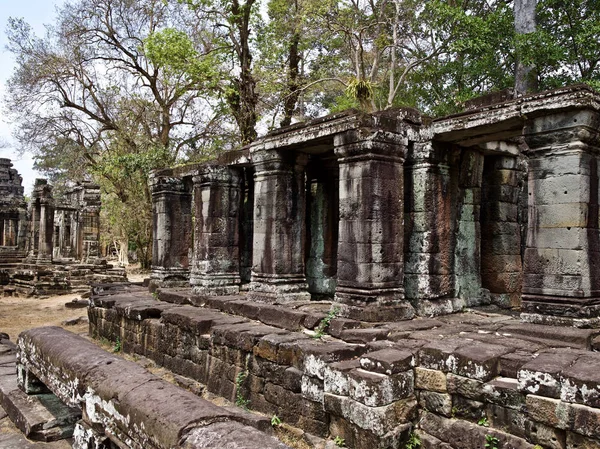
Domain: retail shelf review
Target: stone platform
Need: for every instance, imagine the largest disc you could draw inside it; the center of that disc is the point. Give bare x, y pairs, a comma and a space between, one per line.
454, 381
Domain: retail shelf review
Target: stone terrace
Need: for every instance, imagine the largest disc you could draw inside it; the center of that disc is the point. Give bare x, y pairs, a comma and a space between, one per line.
454, 380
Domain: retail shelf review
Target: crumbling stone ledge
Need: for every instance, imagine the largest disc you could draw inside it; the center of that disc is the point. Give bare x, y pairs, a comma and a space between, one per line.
124, 404
375, 385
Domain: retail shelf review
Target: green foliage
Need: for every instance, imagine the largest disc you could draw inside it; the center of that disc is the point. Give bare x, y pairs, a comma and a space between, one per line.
491, 442
240, 400
339, 441
414, 442
324, 323
483, 422
117, 346
175, 51
275, 421
361, 90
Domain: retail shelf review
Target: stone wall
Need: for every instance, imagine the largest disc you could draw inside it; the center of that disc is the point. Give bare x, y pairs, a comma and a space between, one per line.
455, 382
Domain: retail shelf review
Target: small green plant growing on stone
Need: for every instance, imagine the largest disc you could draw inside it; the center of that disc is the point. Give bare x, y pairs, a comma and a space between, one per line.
339, 441
324, 323
275, 421
491, 442
155, 295
537, 446
414, 442
483, 422
118, 346
240, 400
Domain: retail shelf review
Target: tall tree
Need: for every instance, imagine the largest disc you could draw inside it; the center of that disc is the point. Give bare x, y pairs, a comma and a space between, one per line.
87, 99
525, 23
231, 22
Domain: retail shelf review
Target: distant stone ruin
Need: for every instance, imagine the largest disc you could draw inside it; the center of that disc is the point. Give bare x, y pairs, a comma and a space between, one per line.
13, 214
50, 247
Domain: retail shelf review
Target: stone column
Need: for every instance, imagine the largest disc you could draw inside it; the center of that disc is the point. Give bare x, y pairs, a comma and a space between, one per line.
3, 230
12, 232
430, 224
217, 205
467, 252
33, 239
370, 273
22, 224
172, 228
501, 268
561, 282
279, 227
46, 231
323, 226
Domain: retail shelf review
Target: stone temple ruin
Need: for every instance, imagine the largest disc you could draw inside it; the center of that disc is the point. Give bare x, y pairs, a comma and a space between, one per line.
380, 279
394, 215
49, 246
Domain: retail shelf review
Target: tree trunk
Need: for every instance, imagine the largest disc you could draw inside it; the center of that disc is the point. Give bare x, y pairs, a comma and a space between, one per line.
289, 105
525, 22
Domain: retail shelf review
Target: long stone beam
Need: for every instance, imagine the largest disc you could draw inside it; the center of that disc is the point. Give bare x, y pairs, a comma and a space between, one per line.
505, 120
134, 408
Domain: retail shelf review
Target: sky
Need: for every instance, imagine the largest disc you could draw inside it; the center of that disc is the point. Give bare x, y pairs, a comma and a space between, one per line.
36, 13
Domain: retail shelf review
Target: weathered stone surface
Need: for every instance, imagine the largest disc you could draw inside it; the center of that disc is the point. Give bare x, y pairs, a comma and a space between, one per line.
387, 361
542, 375
40, 417
505, 392
463, 434
440, 403
575, 441
432, 380
375, 389
379, 420
464, 386
139, 408
228, 435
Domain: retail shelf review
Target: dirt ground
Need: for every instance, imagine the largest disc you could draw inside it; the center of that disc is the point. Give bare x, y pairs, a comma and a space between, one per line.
18, 314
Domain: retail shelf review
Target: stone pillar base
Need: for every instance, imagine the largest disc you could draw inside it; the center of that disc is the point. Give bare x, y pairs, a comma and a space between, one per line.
278, 288
43, 260
385, 304
440, 306
216, 284
561, 311
170, 277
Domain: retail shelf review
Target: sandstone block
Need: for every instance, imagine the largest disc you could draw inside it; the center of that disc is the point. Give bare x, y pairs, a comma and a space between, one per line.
463, 386
387, 361
374, 389
432, 380
542, 375
379, 420
432, 401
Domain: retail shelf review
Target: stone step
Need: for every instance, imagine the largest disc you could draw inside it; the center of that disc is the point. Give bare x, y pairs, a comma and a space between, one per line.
553, 336
40, 417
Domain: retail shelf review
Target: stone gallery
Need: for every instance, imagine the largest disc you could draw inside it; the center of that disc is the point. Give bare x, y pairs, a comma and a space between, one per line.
394, 215
376, 280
